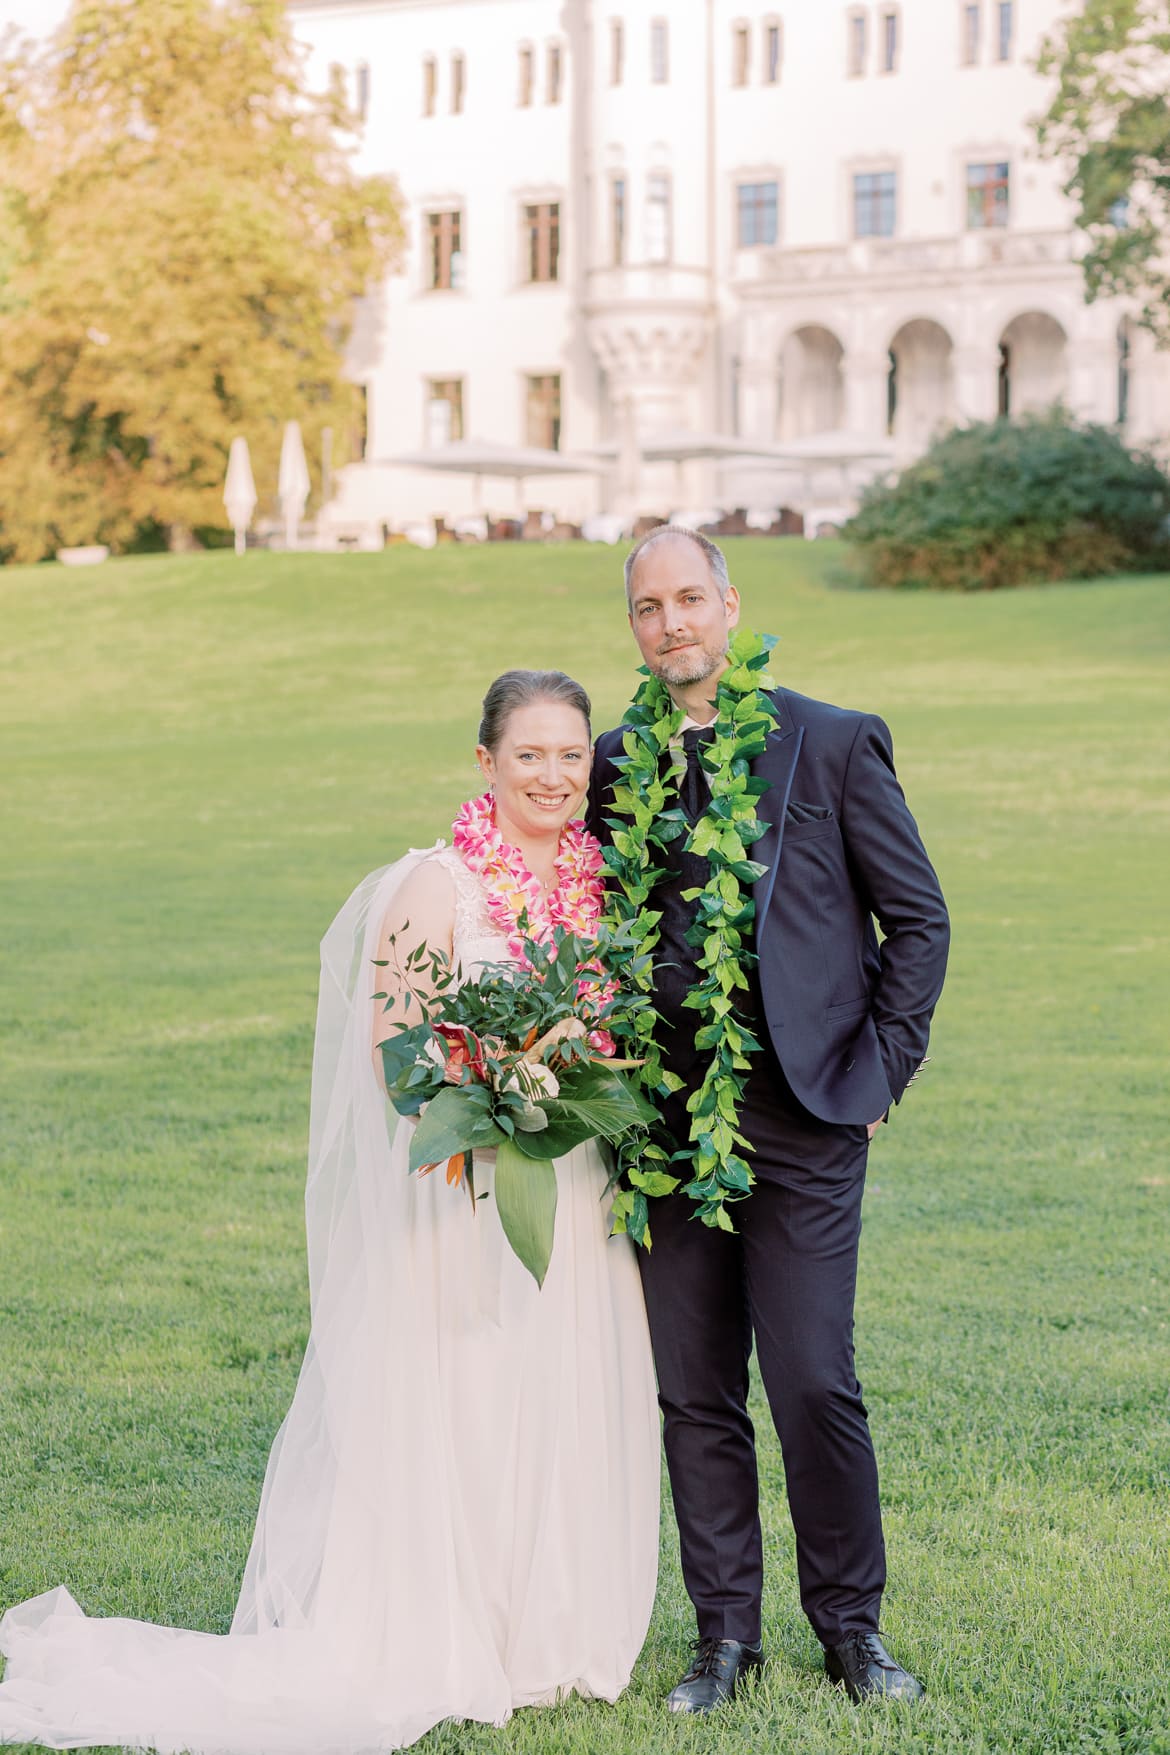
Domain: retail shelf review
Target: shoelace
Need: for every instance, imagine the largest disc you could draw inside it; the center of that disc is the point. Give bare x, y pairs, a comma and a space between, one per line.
706, 1658
869, 1649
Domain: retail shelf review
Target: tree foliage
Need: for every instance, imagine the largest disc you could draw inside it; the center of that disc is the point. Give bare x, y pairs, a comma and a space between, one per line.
1110, 121
1014, 502
182, 242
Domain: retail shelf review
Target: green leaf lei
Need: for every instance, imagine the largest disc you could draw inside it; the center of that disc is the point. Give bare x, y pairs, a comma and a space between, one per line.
644, 825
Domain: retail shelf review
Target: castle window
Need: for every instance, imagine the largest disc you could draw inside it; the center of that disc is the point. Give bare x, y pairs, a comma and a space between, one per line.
444, 254
875, 204
757, 209
658, 240
987, 197
1006, 30
543, 411
889, 42
659, 52
740, 55
541, 236
857, 43
444, 410
969, 23
772, 54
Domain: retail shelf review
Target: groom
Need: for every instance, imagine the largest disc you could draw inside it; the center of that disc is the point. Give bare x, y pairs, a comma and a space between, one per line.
843, 1023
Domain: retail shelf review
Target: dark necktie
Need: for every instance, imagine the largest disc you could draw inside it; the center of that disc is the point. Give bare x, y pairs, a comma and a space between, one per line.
694, 791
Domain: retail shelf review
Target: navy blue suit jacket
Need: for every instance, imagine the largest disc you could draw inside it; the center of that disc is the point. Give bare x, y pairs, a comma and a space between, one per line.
848, 1016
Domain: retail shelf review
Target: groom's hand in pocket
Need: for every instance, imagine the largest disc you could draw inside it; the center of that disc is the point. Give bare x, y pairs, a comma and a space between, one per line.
872, 1126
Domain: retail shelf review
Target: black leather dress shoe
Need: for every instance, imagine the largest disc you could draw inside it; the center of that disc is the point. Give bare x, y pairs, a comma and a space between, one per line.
719, 1667
865, 1669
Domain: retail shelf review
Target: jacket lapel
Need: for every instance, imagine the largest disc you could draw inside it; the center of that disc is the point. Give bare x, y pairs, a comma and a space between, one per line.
777, 765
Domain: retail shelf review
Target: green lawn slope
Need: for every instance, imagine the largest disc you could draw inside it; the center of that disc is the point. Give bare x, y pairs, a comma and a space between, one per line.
202, 756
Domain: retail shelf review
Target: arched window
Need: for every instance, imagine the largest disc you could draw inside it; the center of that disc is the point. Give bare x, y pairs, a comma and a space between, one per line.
1123, 351
617, 50
552, 80
658, 241
892, 392
773, 51
1004, 396
659, 52
857, 42
526, 70
741, 54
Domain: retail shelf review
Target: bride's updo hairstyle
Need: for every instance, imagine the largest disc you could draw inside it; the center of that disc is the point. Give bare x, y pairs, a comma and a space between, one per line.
520, 688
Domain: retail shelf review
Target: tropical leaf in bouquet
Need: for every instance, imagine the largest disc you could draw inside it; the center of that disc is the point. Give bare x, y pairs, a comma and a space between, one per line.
593, 1103
400, 1051
457, 1120
526, 1198
560, 1136
593, 1088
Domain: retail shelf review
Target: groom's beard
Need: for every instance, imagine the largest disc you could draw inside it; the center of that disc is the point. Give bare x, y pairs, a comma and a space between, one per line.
693, 665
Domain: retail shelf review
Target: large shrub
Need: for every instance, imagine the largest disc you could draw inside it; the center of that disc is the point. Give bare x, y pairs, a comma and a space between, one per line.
1014, 502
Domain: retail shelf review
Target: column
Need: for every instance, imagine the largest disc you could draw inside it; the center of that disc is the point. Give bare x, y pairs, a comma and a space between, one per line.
757, 397
866, 391
976, 383
1092, 380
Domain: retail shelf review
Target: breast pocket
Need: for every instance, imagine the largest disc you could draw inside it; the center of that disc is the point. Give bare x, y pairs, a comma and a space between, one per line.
803, 822
798, 812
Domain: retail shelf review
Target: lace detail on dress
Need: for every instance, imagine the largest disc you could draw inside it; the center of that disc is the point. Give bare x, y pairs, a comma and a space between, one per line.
475, 939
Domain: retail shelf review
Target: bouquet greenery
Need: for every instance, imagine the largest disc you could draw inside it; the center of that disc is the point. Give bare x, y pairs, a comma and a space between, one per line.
519, 1061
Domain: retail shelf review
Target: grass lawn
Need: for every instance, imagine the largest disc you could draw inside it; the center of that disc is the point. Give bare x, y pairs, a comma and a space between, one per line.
202, 756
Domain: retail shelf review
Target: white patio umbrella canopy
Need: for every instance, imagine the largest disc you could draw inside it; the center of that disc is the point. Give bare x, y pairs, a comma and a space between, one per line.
293, 483
480, 457
239, 491
680, 446
836, 447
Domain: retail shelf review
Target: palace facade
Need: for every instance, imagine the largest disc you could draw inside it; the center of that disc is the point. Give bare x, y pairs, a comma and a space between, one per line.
820, 228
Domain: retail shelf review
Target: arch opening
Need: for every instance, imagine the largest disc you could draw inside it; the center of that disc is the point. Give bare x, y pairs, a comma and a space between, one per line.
1033, 373
810, 383
920, 387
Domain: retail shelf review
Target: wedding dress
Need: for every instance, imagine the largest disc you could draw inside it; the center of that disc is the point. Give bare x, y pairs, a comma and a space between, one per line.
460, 1512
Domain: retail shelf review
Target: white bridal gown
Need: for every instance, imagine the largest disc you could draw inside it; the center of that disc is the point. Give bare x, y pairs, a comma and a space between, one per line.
460, 1513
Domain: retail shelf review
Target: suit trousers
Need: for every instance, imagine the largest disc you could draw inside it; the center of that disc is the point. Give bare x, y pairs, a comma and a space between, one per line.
788, 1277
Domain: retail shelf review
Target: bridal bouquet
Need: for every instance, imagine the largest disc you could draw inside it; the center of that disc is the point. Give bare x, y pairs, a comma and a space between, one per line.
521, 1062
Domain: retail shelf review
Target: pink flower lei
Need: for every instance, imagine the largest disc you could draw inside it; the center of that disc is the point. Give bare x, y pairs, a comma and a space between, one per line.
574, 902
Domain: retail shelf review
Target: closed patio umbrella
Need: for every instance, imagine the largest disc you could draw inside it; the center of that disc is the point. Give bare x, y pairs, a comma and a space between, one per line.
293, 483
239, 491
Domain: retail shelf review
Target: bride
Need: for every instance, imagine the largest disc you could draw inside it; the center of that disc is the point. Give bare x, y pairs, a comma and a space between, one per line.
460, 1512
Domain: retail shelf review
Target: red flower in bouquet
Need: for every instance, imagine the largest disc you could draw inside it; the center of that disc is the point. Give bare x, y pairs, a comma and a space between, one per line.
463, 1049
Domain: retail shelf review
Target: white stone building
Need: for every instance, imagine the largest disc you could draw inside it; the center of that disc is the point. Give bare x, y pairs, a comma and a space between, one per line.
767, 221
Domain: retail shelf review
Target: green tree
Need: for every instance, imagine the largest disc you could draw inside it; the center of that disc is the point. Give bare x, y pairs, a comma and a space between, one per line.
182, 246
1110, 122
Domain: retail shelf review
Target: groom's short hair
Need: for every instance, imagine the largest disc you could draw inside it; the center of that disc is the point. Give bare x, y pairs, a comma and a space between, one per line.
713, 554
